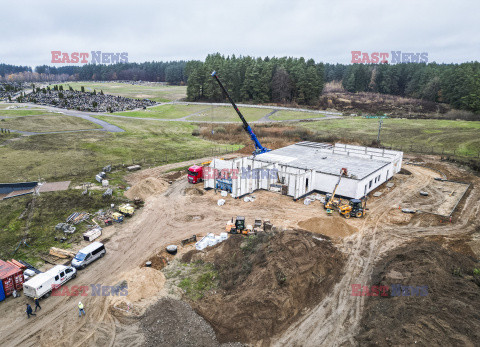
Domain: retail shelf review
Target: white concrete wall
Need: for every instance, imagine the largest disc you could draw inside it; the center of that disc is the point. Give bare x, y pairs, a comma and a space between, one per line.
385, 174
326, 183
296, 179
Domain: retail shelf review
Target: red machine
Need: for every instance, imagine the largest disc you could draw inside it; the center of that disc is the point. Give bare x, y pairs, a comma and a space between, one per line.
195, 174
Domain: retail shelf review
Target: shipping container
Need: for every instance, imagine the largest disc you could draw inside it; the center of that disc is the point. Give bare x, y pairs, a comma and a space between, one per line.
11, 277
2, 294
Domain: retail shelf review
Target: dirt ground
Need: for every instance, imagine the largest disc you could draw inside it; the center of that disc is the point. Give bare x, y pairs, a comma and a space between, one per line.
448, 315
177, 213
267, 282
173, 322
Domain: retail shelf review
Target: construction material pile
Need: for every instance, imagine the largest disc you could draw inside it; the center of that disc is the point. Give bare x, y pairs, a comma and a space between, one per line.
146, 188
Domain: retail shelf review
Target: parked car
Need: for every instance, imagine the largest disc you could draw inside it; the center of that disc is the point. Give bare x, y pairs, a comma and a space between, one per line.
89, 254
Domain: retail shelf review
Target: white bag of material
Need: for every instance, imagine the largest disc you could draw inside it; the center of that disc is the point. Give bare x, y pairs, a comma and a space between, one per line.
104, 183
218, 238
29, 273
223, 236
221, 202
307, 201
224, 193
199, 246
211, 236
212, 242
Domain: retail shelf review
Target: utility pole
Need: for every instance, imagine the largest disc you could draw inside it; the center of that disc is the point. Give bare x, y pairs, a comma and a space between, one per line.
379, 129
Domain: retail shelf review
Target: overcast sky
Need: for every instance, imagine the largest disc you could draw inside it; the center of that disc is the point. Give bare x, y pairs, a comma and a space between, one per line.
190, 29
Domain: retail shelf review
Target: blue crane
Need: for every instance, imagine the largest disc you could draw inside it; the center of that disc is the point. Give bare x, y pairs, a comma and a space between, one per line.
258, 146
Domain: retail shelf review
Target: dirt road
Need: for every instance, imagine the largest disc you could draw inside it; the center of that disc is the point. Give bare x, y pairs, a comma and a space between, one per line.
181, 211
335, 322
165, 219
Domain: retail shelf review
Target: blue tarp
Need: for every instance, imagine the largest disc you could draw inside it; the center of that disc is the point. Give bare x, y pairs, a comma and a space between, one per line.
2, 293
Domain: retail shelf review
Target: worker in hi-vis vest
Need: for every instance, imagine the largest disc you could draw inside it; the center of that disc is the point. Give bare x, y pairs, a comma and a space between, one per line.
81, 309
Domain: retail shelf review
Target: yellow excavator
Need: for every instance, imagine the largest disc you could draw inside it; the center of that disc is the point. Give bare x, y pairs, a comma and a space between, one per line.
330, 200
355, 208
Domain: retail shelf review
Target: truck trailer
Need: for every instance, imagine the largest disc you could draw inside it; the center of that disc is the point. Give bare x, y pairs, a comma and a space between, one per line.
42, 284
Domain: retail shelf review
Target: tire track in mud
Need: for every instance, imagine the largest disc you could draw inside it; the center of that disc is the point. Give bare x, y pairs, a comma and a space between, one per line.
335, 321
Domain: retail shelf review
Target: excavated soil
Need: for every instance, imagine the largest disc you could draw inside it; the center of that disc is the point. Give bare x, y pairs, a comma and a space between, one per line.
147, 187
447, 316
267, 282
335, 227
193, 191
173, 322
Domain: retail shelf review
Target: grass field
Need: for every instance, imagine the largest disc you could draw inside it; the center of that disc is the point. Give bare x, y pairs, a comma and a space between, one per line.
5, 106
228, 114
47, 122
461, 136
164, 111
160, 93
48, 210
24, 113
79, 156
289, 115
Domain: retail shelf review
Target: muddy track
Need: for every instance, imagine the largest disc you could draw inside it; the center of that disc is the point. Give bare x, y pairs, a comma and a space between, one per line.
335, 321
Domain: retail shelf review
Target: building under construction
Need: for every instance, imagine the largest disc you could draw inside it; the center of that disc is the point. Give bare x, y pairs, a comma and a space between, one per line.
305, 167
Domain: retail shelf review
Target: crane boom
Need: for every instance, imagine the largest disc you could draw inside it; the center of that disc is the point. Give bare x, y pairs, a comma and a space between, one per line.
258, 146
330, 201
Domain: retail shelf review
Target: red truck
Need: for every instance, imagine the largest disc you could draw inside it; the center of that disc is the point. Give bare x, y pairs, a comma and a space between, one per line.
195, 174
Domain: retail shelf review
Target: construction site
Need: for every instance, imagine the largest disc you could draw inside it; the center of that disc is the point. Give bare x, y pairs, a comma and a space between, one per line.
309, 244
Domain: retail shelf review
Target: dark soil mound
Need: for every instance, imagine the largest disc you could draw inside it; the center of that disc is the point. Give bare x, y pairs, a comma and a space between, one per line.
267, 281
448, 316
174, 323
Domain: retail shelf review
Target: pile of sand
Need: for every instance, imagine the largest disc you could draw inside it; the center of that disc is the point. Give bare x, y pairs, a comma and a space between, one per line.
147, 187
334, 226
144, 285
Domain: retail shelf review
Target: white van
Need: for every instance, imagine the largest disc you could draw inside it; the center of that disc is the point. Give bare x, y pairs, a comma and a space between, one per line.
88, 254
42, 284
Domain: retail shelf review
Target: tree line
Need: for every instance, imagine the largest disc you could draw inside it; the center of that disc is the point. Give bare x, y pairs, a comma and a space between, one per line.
281, 80
171, 72
248, 79
6, 69
454, 84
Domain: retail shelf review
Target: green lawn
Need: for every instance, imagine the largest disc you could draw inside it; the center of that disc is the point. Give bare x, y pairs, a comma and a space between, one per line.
169, 111
47, 122
422, 134
289, 115
5, 106
228, 114
79, 156
49, 209
24, 113
160, 93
